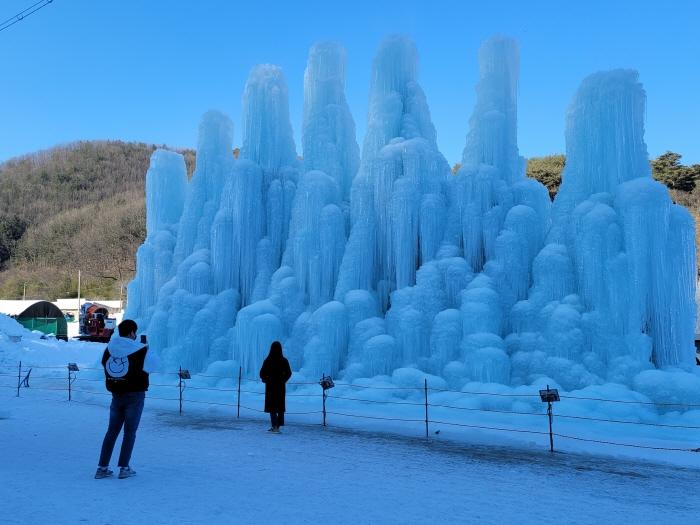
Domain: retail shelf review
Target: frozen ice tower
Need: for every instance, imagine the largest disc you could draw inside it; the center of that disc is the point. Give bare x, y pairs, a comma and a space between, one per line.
389, 267
398, 197
630, 245
328, 136
166, 183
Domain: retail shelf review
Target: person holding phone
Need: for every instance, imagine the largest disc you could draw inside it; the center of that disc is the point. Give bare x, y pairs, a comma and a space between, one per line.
127, 364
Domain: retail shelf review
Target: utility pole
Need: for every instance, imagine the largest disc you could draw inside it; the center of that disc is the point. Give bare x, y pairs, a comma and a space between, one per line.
78, 294
24, 292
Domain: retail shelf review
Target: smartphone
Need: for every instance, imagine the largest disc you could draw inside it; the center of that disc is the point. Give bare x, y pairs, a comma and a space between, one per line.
143, 339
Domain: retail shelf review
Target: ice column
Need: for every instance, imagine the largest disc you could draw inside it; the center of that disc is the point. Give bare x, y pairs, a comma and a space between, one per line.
630, 247
401, 173
255, 216
268, 142
497, 217
317, 230
191, 313
166, 184
493, 137
328, 135
214, 164
492, 179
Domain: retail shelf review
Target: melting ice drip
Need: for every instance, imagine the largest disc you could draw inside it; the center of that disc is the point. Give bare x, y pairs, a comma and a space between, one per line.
364, 267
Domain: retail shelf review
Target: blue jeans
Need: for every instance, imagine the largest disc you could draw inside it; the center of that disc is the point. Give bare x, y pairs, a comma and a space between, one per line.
125, 411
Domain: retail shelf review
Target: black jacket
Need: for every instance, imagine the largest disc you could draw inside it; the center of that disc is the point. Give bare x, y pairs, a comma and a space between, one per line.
134, 380
275, 373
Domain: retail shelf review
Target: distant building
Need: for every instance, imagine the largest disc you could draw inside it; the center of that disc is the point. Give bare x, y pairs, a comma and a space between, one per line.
43, 316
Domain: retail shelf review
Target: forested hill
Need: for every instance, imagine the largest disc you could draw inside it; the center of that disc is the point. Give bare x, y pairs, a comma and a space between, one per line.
81, 206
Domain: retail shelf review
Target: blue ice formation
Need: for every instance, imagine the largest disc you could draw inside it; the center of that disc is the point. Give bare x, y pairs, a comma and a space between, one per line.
362, 267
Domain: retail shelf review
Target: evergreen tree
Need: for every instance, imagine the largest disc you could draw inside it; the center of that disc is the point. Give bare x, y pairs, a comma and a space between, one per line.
668, 169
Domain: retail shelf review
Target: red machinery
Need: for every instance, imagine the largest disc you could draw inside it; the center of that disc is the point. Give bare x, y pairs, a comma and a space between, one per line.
95, 323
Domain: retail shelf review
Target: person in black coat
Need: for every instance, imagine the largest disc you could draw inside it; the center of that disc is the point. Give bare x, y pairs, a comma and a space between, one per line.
275, 373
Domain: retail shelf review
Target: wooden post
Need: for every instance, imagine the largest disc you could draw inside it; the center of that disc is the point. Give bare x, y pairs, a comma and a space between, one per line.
426, 408
240, 372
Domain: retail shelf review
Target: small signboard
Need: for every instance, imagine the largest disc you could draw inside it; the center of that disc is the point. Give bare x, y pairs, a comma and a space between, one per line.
549, 395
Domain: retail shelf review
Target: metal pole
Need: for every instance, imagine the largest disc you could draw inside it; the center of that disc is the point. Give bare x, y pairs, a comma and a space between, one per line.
426, 408
240, 372
69, 382
19, 377
323, 390
179, 375
551, 438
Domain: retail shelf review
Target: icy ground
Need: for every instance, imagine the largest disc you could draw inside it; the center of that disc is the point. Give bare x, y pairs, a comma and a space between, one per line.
208, 467
212, 469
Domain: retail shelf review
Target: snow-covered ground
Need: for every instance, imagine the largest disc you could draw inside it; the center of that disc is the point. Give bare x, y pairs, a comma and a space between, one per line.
207, 466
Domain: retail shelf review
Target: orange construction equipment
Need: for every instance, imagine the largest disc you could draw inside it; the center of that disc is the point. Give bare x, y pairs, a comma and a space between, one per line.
95, 323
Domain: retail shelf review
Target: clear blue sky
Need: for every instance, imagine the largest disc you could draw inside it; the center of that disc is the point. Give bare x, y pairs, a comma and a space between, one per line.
147, 70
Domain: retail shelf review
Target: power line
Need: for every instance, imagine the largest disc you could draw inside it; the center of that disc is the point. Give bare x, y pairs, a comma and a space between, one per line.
24, 14
21, 13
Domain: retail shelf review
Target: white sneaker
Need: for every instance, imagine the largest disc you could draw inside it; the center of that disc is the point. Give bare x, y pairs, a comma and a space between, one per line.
126, 472
103, 472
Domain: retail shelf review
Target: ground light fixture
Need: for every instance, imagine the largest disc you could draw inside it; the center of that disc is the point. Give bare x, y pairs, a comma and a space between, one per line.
549, 396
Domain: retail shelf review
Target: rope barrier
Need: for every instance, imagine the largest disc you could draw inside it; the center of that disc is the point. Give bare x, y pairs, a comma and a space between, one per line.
298, 395
192, 387
523, 431
617, 443
378, 387
496, 394
489, 410
630, 401
253, 392
378, 401
210, 403
654, 403
92, 392
253, 409
377, 417
622, 421
59, 379
25, 365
